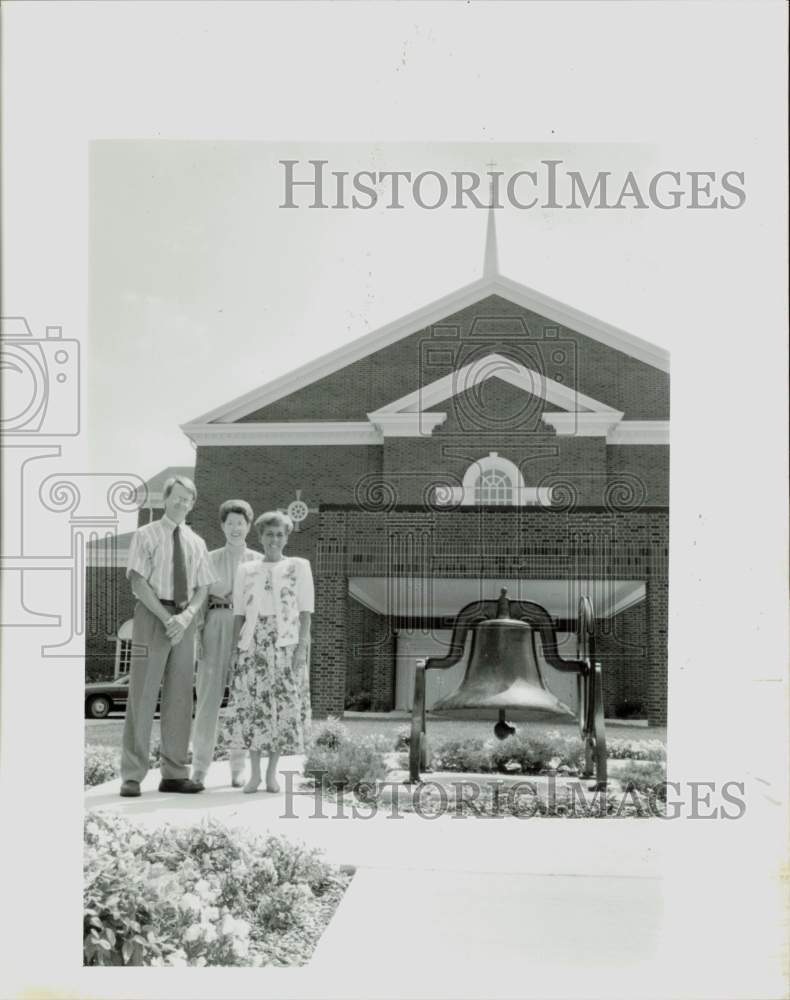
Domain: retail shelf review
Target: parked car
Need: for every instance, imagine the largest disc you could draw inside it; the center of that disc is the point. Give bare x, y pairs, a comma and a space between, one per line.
105, 697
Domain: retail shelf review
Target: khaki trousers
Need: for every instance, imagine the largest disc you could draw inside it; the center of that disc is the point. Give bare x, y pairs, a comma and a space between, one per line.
212, 676
155, 662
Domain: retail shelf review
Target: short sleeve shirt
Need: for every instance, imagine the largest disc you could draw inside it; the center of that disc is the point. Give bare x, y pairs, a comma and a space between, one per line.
151, 555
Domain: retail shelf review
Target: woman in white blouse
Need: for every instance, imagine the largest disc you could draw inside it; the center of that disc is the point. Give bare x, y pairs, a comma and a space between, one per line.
215, 640
273, 600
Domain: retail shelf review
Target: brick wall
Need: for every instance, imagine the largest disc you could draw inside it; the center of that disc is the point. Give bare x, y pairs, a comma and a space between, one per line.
492, 325
109, 603
641, 467
370, 650
268, 478
622, 650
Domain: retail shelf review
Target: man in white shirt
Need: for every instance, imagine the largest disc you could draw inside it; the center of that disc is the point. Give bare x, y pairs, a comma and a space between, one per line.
170, 573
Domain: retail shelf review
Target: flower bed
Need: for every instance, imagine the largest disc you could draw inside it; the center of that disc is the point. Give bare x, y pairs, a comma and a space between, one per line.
525, 800
104, 763
201, 895
527, 752
352, 768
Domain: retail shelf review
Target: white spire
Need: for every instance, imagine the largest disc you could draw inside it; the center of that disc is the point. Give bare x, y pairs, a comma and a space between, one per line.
491, 257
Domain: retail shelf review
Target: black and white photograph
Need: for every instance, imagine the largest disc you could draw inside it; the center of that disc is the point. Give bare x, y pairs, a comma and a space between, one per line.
394, 559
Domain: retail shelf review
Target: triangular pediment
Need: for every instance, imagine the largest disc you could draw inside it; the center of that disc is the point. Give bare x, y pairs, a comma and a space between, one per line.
494, 366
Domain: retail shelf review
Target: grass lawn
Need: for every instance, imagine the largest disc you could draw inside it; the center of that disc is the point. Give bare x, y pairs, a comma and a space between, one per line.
108, 731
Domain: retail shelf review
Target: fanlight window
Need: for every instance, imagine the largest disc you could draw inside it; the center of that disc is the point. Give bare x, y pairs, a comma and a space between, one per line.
493, 480
494, 487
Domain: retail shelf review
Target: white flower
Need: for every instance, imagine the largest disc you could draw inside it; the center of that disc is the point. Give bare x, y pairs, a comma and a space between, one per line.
190, 902
228, 925
240, 948
192, 933
136, 841
210, 934
203, 889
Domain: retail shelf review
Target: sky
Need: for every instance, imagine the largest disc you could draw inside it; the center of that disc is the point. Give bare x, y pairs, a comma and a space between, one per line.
202, 287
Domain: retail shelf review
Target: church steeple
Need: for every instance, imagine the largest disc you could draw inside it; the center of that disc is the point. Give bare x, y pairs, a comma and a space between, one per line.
491, 256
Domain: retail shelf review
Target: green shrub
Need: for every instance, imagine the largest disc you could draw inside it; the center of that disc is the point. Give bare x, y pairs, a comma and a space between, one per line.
354, 763
627, 709
359, 702
636, 750
364, 701
522, 753
532, 753
101, 764
645, 778
470, 754
202, 895
100, 671
104, 763
330, 735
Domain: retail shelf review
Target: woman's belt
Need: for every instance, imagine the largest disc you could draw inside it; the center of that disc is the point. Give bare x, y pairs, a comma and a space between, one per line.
214, 605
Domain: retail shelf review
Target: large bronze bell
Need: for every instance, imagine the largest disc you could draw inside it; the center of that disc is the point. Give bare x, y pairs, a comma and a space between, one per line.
503, 673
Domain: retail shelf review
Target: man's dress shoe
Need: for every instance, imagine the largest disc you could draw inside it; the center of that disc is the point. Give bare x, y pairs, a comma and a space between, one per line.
180, 785
130, 789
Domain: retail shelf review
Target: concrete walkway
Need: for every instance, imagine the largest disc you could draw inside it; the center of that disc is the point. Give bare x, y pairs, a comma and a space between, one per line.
488, 907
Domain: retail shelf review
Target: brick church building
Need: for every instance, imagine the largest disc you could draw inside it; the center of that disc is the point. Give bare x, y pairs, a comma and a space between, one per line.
493, 438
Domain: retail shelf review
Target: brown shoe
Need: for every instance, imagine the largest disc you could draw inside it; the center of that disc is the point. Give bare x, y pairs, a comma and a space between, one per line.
130, 789
180, 785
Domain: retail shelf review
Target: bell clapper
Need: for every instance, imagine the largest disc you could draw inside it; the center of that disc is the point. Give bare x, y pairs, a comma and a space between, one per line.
503, 729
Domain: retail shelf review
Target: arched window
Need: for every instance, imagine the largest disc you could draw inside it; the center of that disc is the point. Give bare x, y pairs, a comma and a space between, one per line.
493, 480
494, 486
123, 649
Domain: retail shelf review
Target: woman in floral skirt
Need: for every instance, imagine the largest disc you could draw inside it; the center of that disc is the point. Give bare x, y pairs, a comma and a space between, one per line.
273, 601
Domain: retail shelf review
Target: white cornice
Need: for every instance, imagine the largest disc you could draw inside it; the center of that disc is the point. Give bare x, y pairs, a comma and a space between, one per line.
406, 424
426, 316
317, 432
583, 424
639, 432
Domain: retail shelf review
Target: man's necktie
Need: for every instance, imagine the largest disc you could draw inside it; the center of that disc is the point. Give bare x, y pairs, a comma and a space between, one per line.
180, 595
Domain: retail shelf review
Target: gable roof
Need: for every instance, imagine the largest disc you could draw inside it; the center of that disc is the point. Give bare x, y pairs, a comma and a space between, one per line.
426, 316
